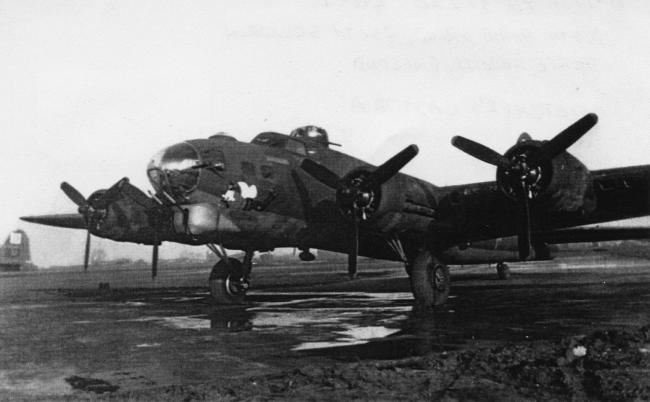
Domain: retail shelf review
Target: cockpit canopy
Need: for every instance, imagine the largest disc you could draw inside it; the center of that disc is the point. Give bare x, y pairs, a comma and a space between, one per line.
175, 170
311, 134
312, 137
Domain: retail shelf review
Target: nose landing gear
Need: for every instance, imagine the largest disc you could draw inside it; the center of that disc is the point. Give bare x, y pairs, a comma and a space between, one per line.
229, 278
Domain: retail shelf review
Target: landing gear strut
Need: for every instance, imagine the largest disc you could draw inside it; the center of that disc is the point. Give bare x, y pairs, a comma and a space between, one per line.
430, 280
229, 277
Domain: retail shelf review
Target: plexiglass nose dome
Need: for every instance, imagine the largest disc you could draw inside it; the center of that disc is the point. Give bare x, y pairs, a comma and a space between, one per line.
175, 170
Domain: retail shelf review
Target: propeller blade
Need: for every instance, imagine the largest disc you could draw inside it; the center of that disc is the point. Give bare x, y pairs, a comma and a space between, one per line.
390, 168
73, 194
524, 247
321, 173
154, 261
524, 223
87, 252
568, 136
110, 195
354, 250
480, 151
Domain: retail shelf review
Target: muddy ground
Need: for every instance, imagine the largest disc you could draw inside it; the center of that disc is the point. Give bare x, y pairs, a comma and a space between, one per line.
572, 329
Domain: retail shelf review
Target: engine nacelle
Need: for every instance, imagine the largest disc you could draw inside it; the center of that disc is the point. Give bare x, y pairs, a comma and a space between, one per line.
561, 183
402, 204
570, 189
126, 220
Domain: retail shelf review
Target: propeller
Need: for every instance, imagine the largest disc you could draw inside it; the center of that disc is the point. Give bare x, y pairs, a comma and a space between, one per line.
357, 191
94, 208
521, 170
321, 173
154, 258
87, 251
480, 151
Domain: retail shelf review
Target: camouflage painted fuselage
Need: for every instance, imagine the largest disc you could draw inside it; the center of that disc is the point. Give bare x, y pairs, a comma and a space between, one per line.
255, 196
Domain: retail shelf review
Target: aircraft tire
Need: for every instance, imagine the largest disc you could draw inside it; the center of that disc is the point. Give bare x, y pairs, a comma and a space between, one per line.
430, 280
224, 280
503, 271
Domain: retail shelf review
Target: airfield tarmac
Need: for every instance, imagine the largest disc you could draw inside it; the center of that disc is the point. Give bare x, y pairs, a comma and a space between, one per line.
572, 328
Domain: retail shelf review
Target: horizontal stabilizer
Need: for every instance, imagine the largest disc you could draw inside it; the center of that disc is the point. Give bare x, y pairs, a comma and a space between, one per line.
72, 221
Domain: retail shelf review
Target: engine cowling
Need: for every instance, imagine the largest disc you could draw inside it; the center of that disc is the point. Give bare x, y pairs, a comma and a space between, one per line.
124, 219
561, 183
404, 203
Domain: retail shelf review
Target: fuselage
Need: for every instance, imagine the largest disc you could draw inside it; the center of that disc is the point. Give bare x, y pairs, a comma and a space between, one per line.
255, 196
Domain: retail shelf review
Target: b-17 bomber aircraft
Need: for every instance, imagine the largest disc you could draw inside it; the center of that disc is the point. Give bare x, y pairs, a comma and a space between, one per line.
296, 191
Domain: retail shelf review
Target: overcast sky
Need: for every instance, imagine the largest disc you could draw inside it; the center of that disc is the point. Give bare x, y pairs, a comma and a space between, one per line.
89, 90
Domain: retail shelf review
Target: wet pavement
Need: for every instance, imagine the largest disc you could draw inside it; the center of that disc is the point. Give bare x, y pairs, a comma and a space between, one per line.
62, 337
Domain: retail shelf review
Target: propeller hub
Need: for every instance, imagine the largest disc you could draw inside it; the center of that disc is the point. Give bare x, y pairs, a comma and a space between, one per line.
357, 195
364, 198
526, 175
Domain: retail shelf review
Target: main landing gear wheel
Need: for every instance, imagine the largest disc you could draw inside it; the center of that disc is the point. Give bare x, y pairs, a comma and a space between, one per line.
228, 282
503, 271
430, 280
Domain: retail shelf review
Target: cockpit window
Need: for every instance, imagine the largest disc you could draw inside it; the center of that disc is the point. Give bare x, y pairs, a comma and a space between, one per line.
175, 170
311, 133
270, 139
296, 147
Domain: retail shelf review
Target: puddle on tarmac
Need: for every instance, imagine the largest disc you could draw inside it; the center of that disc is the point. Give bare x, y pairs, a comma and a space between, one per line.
187, 322
314, 320
148, 345
186, 299
46, 382
135, 303
378, 323
352, 336
352, 323
22, 306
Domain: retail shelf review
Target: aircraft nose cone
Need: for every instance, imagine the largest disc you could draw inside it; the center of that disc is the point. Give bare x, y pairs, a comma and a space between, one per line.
175, 170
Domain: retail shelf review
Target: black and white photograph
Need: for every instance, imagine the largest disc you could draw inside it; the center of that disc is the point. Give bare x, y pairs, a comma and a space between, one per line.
325, 200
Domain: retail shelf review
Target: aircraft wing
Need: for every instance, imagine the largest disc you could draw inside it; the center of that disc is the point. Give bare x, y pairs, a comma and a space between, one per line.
121, 213
581, 234
71, 221
595, 233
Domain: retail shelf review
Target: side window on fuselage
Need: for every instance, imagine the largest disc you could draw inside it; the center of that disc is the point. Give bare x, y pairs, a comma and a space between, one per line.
296, 147
214, 159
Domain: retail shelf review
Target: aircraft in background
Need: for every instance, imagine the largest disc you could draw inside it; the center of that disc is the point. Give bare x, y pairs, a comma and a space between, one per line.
14, 253
296, 191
